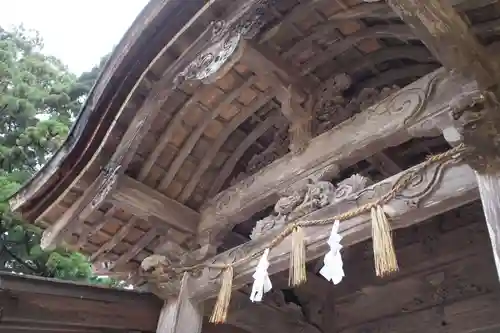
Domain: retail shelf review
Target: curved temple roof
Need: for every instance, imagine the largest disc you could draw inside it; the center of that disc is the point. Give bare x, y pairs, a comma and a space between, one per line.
199, 96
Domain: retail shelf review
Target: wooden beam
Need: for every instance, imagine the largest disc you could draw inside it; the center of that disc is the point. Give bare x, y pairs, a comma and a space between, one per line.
294, 91
417, 110
144, 202
449, 38
443, 187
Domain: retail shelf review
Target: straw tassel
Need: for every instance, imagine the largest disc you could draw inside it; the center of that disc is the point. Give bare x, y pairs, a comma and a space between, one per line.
297, 258
383, 248
221, 307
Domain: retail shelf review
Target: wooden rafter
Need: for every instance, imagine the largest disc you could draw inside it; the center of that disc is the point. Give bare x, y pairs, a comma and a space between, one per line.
406, 73
145, 202
416, 53
378, 10
193, 138
231, 162
400, 32
215, 147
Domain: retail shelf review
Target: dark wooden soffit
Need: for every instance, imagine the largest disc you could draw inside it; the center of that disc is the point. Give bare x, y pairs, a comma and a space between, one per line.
118, 78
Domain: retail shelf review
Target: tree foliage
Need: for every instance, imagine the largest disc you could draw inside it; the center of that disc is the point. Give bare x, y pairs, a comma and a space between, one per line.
39, 99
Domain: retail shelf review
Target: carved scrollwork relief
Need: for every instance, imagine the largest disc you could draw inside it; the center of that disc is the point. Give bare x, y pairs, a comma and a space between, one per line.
302, 201
224, 43
332, 107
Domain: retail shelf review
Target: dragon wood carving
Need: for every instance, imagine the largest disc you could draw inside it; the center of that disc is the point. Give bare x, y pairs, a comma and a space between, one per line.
306, 199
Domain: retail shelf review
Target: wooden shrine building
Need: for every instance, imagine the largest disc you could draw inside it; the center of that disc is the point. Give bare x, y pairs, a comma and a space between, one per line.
222, 128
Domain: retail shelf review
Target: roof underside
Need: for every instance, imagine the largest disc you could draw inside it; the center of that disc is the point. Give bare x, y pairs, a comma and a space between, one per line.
205, 137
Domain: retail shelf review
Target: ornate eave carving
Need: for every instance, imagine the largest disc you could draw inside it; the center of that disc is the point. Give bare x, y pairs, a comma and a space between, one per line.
224, 47
305, 199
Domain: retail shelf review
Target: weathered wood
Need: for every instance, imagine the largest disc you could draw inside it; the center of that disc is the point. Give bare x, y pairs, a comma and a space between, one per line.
438, 189
166, 136
90, 230
133, 251
190, 143
215, 147
477, 314
181, 314
117, 238
264, 317
47, 303
489, 189
417, 110
386, 31
144, 202
231, 162
457, 277
449, 38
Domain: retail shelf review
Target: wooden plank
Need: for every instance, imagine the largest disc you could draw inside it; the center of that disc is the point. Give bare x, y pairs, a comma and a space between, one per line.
477, 314
181, 314
441, 189
145, 202
456, 276
420, 109
165, 137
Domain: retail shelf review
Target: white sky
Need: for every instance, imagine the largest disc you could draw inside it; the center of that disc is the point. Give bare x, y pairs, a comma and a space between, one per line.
79, 32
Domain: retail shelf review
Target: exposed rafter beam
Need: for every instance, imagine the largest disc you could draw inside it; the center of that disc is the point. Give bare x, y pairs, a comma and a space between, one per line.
193, 138
231, 162
416, 110
216, 145
146, 202
444, 187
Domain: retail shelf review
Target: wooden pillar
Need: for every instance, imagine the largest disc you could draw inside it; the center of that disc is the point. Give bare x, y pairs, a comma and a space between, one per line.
487, 173
180, 314
489, 189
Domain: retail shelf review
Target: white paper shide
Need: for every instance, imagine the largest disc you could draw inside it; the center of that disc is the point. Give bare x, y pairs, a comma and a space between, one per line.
333, 269
262, 283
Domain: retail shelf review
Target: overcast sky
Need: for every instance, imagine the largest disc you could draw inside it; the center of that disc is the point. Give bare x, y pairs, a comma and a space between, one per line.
78, 32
